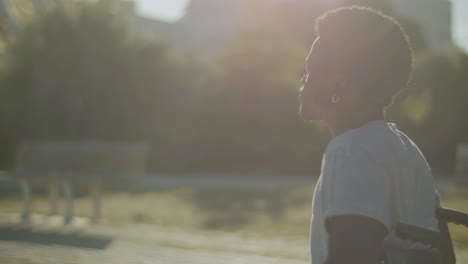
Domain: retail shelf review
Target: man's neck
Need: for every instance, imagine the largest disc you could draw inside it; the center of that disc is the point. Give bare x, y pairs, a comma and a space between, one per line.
338, 127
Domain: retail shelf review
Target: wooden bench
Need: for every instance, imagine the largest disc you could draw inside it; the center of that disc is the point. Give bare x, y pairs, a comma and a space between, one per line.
72, 163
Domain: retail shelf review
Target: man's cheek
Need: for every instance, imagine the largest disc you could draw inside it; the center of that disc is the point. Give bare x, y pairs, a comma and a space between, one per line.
311, 111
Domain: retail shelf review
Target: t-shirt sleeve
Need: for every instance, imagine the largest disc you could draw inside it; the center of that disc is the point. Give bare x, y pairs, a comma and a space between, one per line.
356, 185
437, 199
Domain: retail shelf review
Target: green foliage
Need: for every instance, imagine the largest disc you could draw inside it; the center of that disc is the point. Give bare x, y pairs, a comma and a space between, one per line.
256, 107
433, 109
258, 92
82, 75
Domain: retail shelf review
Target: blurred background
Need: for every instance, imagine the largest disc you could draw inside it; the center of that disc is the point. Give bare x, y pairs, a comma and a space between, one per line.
196, 100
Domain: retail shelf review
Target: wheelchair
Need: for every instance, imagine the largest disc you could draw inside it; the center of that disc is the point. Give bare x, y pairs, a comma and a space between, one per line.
429, 237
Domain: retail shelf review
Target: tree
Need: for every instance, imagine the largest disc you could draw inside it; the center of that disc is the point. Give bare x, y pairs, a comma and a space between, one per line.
433, 108
256, 106
82, 75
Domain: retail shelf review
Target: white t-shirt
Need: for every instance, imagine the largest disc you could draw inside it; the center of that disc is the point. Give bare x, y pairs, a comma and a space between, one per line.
375, 171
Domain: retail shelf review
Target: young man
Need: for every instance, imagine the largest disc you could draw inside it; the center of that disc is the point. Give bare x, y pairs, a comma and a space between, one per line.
373, 176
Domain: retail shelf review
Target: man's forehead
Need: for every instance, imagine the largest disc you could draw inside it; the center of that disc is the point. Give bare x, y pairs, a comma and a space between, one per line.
312, 52
313, 48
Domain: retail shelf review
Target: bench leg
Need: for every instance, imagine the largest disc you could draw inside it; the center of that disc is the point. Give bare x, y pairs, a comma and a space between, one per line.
95, 193
26, 194
69, 202
53, 198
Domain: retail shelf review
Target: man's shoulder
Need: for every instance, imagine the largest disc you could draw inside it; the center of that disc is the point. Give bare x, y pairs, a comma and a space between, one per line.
351, 143
378, 147
409, 145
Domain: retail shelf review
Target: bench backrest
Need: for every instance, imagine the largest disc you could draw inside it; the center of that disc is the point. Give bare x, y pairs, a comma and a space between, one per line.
78, 160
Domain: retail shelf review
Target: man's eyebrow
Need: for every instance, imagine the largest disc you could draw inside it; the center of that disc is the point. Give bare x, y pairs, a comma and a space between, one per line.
311, 54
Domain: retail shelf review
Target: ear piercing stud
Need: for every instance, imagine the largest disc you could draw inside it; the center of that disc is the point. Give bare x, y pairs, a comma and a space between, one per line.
335, 99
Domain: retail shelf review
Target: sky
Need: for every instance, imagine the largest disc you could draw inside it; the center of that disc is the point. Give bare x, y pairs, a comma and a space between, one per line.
460, 27
168, 10
171, 10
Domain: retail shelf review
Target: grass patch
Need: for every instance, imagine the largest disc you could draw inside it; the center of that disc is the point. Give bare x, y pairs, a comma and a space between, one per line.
457, 199
268, 212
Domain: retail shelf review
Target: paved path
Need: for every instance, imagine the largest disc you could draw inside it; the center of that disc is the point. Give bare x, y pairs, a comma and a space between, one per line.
131, 250
143, 244
126, 253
